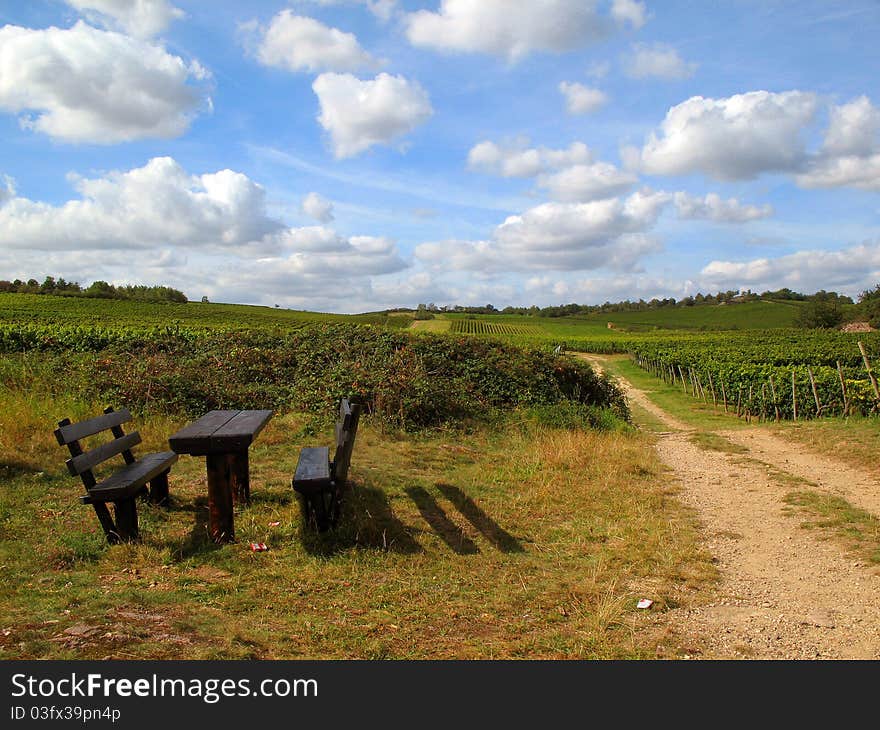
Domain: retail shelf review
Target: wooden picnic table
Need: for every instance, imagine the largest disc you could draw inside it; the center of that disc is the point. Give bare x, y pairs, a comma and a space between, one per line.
223, 438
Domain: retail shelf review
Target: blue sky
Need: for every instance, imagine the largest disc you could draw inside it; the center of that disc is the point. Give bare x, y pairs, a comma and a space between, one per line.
354, 155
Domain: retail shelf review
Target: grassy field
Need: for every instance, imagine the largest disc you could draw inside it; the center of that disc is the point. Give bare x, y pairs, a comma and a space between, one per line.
522, 541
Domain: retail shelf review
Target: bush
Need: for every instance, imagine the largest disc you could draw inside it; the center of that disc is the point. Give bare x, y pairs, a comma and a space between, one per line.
410, 382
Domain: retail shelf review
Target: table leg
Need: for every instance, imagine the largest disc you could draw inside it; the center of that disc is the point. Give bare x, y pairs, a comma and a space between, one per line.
239, 469
220, 518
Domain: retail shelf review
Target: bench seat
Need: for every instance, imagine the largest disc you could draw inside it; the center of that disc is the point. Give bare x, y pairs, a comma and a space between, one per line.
312, 470
129, 480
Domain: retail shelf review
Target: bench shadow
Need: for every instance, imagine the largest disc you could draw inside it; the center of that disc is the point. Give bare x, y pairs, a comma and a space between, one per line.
490, 529
11, 469
445, 528
367, 521
199, 540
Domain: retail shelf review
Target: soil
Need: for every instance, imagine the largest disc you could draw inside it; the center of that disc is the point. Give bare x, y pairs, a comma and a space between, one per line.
785, 592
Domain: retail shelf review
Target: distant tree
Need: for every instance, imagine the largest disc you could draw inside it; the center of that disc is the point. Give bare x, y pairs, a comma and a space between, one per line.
869, 305
205, 300
422, 313
819, 314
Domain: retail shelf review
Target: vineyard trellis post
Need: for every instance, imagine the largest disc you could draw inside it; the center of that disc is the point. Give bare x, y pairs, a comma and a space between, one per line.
843, 389
775, 401
870, 372
815, 392
793, 396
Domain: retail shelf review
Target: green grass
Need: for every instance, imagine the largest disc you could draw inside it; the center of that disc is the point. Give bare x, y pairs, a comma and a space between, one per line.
522, 541
856, 529
691, 411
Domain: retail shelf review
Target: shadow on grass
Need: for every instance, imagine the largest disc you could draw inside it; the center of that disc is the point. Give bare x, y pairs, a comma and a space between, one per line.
367, 521
12, 469
198, 542
445, 528
490, 529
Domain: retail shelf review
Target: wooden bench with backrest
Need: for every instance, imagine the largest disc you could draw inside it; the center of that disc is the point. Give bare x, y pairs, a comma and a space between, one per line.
318, 481
124, 485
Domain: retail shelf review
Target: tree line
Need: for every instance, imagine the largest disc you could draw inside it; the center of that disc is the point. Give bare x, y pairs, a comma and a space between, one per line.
97, 289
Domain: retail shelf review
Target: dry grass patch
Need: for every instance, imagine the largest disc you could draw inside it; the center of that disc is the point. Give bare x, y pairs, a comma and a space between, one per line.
515, 542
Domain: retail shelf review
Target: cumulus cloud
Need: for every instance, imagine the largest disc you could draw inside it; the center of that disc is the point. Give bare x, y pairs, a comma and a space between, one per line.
383, 9
587, 182
631, 12
713, 208
517, 160
156, 205
359, 114
299, 43
580, 99
317, 207
850, 269
210, 230
140, 18
559, 236
850, 153
733, 138
657, 61
506, 29
89, 85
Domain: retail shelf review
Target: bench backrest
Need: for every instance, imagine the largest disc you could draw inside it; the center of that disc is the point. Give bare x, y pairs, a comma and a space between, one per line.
82, 462
346, 430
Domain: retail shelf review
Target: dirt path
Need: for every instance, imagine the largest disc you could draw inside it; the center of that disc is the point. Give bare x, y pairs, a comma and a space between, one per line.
784, 592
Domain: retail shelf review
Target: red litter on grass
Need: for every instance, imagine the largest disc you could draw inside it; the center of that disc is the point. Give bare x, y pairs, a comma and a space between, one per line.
259, 547
645, 603
274, 524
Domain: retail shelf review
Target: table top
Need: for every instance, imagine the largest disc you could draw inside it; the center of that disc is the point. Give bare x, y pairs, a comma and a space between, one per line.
219, 432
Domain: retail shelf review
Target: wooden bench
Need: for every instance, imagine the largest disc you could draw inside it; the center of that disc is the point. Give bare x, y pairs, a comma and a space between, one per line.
319, 482
124, 485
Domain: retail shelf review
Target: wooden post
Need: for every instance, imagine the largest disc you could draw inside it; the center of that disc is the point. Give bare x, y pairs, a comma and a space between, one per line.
712, 389
763, 402
749, 407
775, 402
724, 395
815, 392
793, 397
683, 381
843, 389
220, 515
159, 489
738, 401
870, 373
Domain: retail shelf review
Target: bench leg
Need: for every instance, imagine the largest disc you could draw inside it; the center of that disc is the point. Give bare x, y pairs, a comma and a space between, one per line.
159, 489
220, 515
239, 472
127, 519
106, 522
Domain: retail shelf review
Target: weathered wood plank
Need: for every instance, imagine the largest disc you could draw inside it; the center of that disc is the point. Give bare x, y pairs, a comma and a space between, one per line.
193, 439
220, 515
131, 478
240, 431
69, 432
84, 462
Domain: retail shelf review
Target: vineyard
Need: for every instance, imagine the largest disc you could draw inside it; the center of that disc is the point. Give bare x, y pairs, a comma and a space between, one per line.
486, 327
771, 375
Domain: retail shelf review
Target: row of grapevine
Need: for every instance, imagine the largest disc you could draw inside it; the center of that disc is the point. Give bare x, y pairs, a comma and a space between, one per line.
827, 380
484, 327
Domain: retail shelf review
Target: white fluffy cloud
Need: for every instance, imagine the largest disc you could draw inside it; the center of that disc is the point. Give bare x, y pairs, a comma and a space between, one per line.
140, 18
517, 160
570, 175
712, 207
580, 99
850, 153
658, 61
299, 43
584, 183
359, 114
852, 269
382, 9
210, 231
317, 207
608, 234
507, 29
631, 12
156, 205
733, 138
89, 85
